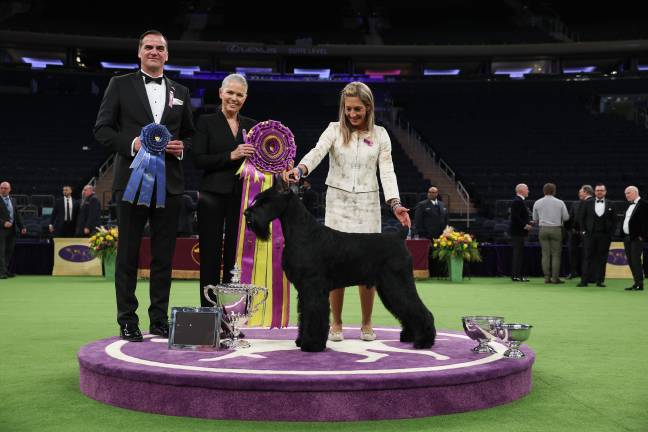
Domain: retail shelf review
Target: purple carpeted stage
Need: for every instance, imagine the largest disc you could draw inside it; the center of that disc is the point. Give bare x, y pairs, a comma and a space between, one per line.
274, 380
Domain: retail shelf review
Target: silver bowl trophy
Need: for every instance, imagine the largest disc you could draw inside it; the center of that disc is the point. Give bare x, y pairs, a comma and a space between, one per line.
482, 328
514, 335
238, 302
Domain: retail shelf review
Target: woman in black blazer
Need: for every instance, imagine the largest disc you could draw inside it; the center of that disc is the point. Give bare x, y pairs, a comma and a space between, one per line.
219, 150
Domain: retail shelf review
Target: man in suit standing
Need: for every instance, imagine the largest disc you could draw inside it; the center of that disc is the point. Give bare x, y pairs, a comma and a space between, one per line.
131, 102
635, 232
519, 230
89, 213
430, 219
64, 216
574, 234
597, 222
10, 224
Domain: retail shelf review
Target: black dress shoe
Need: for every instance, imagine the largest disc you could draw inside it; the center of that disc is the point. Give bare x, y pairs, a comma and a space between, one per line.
160, 329
4, 277
515, 279
639, 288
634, 288
582, 284
11, 275
131, 333
600, 284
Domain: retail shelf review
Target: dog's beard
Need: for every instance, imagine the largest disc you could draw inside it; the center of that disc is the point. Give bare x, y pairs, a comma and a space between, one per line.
262, 231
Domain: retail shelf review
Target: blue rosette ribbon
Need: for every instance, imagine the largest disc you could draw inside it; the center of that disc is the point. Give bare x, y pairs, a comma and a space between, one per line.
148, 167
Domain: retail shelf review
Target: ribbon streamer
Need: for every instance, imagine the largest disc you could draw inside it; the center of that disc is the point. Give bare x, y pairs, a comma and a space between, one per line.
148, 167
259, 260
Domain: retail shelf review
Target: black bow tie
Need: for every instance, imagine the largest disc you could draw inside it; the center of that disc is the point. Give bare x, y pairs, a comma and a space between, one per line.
600, 201
148, 79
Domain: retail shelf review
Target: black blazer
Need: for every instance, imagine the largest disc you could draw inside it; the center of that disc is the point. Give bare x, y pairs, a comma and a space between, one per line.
574, 217
638, 223
588, 215
57, 218
430, 220
212, 145
18, 224
125, 110
89, 215
520, 217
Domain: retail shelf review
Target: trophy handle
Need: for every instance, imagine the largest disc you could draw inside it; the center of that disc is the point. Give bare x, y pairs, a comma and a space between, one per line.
260, 295
206, 294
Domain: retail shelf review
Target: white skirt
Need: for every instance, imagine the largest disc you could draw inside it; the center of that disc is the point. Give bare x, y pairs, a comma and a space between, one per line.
352, 212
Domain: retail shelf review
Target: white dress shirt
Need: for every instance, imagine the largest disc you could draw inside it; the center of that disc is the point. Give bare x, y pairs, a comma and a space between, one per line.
599, 207
628, 215
67, 208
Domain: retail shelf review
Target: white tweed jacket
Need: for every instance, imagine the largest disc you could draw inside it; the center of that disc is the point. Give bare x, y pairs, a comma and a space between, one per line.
353, 166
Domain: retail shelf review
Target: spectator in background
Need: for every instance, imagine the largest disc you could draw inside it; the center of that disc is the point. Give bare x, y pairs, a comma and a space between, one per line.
574, 234
430, 219
10, 224
308, 196
635, 232
89, 213
550, 213
597, 222
519, 230
64, 216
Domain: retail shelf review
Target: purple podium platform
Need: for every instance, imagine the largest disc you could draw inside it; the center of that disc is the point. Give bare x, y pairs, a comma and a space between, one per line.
274, 380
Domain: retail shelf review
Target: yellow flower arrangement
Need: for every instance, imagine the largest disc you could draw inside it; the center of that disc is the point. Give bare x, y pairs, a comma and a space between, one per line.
104, 242
456, 244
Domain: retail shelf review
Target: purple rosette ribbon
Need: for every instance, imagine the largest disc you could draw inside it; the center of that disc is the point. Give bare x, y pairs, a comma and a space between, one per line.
149, 167
260, 262
274, 146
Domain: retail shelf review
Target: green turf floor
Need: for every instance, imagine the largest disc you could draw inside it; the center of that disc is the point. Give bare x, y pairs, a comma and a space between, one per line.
591, 370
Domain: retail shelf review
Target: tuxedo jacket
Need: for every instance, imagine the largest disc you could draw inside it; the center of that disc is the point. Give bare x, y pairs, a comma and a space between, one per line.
520, 217
18, 224
89, 215
587, 213
430, 220
57, 218
638, 223
212, 145
125, 110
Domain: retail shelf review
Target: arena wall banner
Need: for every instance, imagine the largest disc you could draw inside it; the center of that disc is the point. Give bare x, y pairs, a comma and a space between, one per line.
73, 257
617, 263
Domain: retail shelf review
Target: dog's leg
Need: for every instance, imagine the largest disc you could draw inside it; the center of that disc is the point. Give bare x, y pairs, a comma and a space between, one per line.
300, 320
397, 291
315, 316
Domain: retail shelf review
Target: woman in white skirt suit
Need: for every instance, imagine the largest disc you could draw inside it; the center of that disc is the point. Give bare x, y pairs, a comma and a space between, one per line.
357, 149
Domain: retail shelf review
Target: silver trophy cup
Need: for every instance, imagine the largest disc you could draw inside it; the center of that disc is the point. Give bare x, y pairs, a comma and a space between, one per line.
238, 302
482, 328
514, 335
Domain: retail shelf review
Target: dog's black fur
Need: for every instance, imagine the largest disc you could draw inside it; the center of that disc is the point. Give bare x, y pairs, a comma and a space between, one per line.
318, 259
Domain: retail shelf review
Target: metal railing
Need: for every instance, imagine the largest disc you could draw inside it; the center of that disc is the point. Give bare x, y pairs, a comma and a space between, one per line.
388, 114
102, 169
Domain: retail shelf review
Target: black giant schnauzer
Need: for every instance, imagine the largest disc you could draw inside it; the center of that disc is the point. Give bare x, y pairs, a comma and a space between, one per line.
318, 259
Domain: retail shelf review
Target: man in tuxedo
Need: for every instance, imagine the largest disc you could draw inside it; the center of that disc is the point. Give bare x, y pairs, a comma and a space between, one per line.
574, 234
430, 219
89, 213
597, 222
10, 223
64, 216
635, 232
131, 102
519, 230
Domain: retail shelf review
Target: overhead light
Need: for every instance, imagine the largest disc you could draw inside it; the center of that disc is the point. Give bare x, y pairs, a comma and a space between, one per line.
39, 63
323, 73
642, 67
247, 70
184, 70
441, 71
113, 65
579, 69
513, 72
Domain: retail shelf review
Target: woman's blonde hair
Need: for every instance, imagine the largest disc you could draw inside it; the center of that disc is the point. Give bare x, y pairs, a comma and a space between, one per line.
363, 92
